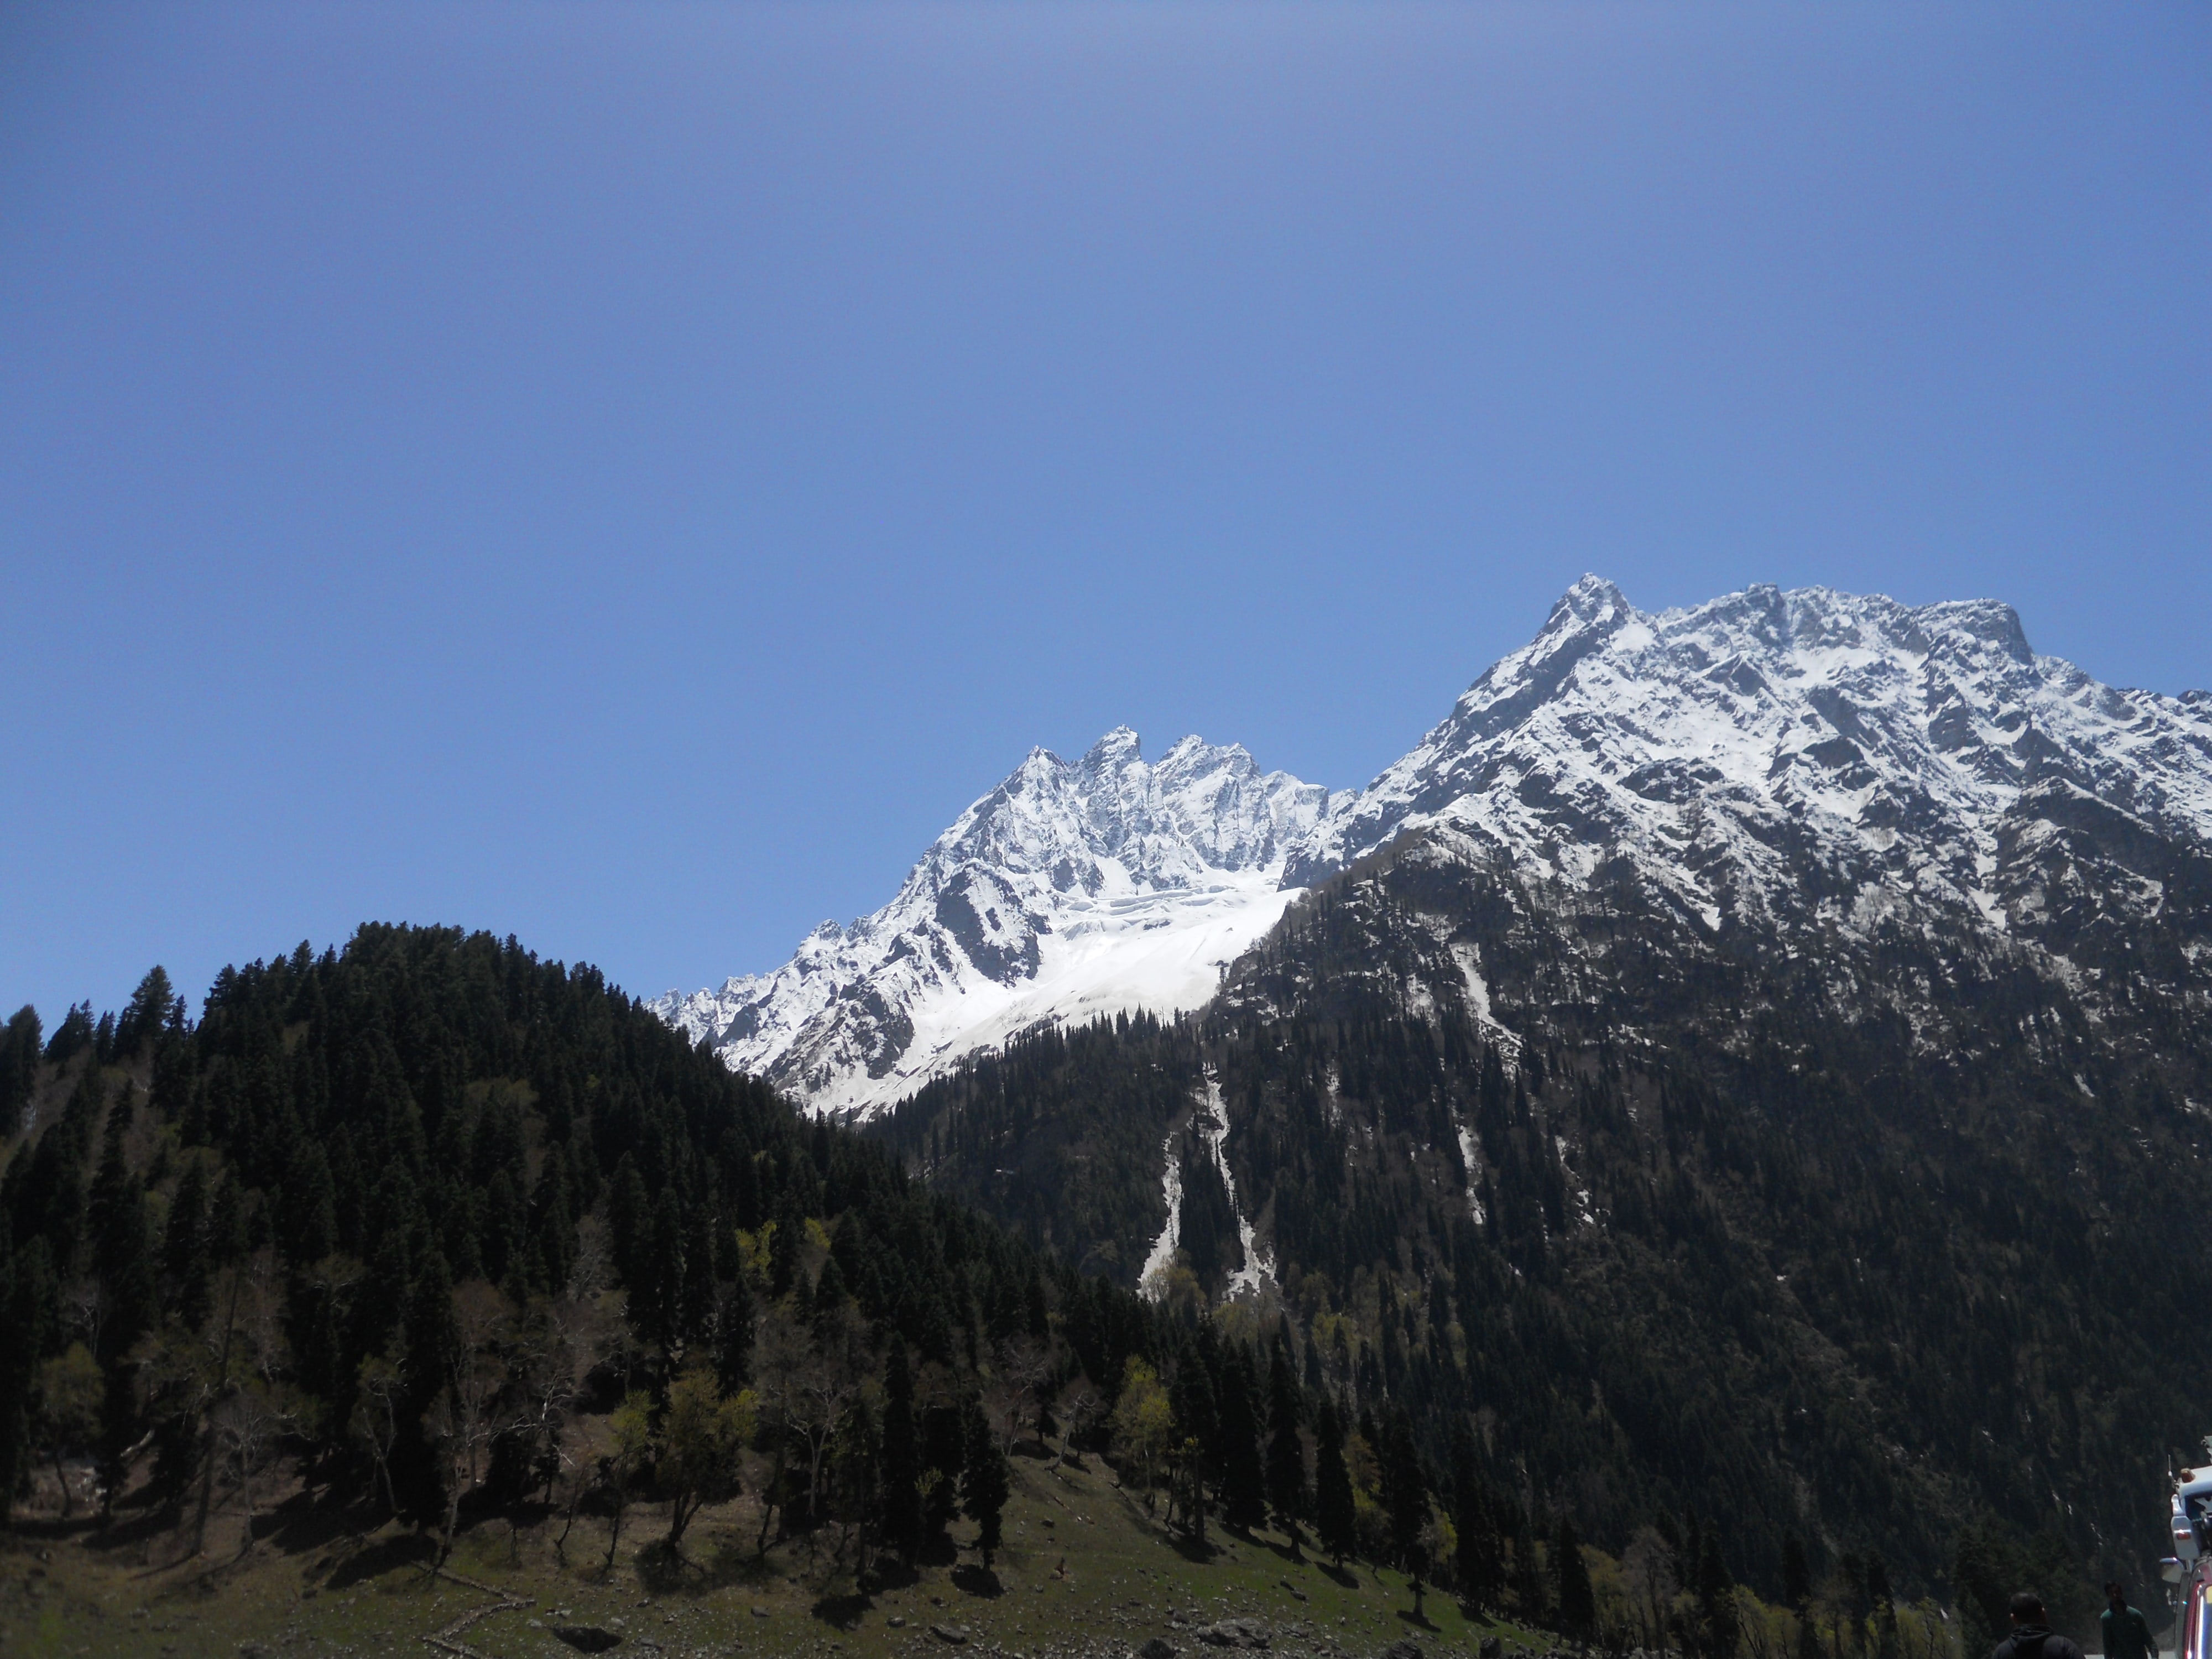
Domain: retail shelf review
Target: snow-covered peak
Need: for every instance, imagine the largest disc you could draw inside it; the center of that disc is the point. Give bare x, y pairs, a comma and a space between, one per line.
1718, 748
1102, 886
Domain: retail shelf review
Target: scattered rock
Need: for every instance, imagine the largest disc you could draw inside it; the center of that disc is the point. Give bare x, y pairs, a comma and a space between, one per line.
587, 1639
1492, 1647
896, 1621
1404, 1648
1234, 1633
1159, 1648
759, 1612
955, 1634
1295, 1591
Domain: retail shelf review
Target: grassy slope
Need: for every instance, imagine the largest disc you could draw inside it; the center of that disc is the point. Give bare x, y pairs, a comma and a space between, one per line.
309, 1587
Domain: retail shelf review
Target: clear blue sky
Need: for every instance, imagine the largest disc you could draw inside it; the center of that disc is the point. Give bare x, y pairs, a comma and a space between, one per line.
628, 475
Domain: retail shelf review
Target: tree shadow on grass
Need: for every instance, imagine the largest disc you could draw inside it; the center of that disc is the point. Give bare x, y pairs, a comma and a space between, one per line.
1340, 1574
1418, 1620
400, 1550
977, 1581
842, 1611
304, 1522
1283, 1550
141, 1528
938, 1552
1194, 1549
891, 1573
662, 1568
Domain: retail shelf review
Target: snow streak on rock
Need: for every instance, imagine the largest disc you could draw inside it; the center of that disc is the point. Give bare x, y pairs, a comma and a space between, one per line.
1103, 886
1211, 1127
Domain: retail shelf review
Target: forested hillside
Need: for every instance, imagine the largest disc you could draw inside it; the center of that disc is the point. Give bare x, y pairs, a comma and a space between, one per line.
1863, 1246
431, 1230
401, 1214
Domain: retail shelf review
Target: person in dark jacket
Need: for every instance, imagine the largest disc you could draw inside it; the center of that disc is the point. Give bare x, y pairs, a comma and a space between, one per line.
2032, 1636
2127, 1632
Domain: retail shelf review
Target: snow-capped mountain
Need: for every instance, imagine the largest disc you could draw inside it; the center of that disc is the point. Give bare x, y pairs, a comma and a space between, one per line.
1772, 754
1780, 763
1105, 885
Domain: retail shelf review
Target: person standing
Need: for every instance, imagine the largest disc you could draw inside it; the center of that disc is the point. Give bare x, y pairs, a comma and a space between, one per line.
2127, 1632
2032, 1636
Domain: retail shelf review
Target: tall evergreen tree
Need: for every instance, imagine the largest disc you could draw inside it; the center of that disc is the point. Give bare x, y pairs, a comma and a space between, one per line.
902, 1456
984, 1482
1796, 1575
147, 1015
1529, 1602
1244, 1477
1404, 1494
19, 1069
1335, 1515
17, 1355
1479, 1558
1577, 1601
1717, 1600
72, 1037
1287, 1457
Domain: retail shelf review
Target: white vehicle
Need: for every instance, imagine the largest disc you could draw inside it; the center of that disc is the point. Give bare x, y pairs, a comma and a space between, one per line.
2188, 1568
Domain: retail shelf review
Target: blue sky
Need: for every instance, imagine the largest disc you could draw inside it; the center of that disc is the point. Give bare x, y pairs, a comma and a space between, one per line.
628, 475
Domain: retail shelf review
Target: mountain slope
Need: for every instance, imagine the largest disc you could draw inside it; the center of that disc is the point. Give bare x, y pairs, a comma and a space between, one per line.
1071, 890
1751, 1059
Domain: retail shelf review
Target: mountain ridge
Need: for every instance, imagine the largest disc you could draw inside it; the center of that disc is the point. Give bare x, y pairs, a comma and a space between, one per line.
1772, 758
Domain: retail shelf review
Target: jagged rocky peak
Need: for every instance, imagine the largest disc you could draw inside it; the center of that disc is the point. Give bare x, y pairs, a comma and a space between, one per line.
1113, 819
1730, 750
1073, 889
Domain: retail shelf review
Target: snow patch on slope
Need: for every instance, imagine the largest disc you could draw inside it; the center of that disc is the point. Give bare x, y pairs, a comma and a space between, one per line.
1103, 886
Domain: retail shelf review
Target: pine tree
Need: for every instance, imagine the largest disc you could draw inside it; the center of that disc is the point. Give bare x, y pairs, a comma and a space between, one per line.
1244, 1479
1529, 1604
72, 1037
902, 1457
553, 1223
1796, 1575
19, 1069
1335, 1518
1405, 1495
121, 1256
1578, 1602
147, 1015
984, 1480
1717, 1600
735, 1314
14, 1377
944, 1455
629, 1227
1479, 1552
1286, 1458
